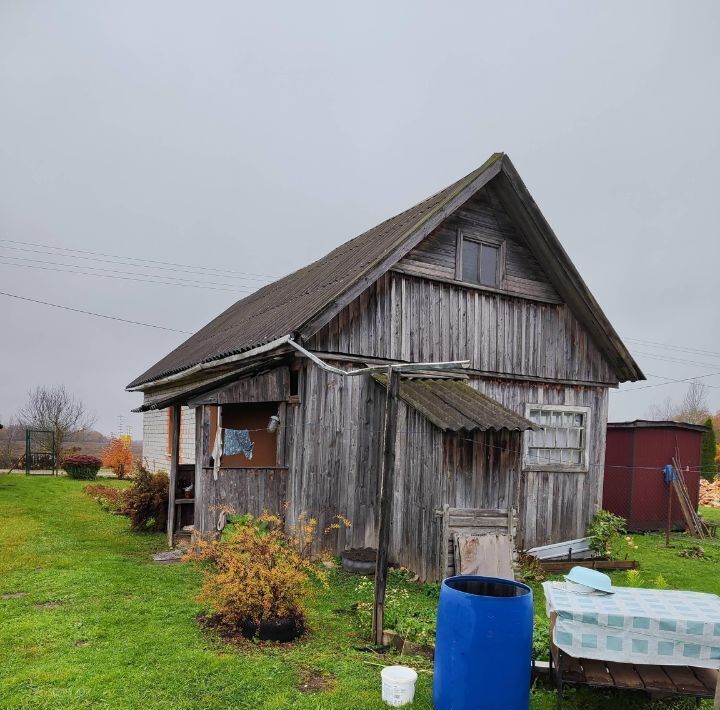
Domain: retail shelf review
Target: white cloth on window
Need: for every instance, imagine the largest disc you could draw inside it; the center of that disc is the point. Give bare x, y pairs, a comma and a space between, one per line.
217, 452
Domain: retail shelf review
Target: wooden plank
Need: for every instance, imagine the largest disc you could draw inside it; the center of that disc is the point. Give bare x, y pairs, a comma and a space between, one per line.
485, 555
558, 567
385, 502
684, 679
708, 677
654, 677
571, 669
176, 412
596, 672
624, 675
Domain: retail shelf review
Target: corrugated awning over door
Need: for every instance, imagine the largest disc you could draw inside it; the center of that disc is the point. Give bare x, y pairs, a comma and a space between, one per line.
455, 406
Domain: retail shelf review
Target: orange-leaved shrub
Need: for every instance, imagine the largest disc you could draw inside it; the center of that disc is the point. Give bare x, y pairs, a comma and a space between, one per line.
118, 456
259, 573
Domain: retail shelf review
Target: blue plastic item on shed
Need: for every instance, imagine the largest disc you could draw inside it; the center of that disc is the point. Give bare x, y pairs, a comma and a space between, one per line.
484, 644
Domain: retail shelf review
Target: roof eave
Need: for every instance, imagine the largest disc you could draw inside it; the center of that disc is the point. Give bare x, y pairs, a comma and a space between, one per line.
542, 239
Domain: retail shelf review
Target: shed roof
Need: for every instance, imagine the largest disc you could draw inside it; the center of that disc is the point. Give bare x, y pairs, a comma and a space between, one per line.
302, 302
649, 424
455, 406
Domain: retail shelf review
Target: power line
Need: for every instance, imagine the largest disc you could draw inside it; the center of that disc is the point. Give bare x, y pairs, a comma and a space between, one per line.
671, 381
92, 313
678, 361
134, 258
128, 261
661, 384
123, 278
696, 351
171, 280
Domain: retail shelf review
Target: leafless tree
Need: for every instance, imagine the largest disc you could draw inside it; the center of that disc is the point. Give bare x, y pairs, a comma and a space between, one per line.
664, 411
693, 408
10, 439
57, 410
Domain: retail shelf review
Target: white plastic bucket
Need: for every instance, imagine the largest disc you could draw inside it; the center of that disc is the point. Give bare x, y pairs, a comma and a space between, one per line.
398, 685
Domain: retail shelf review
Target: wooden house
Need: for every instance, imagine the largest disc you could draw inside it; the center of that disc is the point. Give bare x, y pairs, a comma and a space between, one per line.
473, 272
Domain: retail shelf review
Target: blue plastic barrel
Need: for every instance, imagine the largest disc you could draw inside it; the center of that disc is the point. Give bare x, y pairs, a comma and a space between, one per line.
484, 645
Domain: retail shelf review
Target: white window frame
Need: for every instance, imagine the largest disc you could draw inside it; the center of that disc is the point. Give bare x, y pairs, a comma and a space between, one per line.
570, 468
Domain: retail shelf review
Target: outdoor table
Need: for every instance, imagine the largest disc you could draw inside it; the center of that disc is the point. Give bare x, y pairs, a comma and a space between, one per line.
643, 639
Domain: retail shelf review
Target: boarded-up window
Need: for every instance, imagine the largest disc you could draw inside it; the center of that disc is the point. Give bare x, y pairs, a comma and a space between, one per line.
562, 443
251, 421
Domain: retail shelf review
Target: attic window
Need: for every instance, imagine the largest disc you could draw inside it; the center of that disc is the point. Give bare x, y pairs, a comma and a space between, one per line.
562, 444
479, 262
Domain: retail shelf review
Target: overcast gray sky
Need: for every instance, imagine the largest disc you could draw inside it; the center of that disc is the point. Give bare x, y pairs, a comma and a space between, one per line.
256, 137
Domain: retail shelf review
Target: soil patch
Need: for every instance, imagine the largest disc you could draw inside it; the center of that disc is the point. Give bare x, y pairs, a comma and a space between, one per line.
313, 680
283, 631
13, 595
50, 604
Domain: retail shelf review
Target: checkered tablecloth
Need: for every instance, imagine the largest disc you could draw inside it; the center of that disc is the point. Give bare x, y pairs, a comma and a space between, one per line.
653, 626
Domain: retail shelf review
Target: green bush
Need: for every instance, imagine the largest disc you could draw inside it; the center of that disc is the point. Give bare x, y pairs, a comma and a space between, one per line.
605, 528
82, 466
541, 639
109, 498
146, 500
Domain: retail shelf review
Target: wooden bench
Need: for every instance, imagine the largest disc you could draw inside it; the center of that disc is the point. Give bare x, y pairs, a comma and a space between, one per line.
668, 680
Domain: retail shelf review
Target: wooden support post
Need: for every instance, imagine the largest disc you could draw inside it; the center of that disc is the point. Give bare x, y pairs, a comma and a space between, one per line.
174, 462
386, 502
716, 706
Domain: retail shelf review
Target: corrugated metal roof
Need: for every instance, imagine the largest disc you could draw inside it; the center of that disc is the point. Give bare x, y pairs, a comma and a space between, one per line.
454, 406
649, 424
285, 305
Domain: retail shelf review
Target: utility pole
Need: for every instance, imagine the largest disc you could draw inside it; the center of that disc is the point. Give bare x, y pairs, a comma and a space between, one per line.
386, 502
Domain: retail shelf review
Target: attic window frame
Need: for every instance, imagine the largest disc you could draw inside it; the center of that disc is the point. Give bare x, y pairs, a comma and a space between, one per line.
498, 244
584, 465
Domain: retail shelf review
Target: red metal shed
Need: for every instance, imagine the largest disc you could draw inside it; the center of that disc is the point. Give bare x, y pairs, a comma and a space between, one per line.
635, 455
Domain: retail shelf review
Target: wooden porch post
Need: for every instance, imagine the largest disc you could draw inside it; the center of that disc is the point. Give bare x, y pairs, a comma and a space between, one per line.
386, 502
174, 462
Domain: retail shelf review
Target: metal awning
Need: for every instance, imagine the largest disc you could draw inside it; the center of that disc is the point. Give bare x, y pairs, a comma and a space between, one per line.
452, 405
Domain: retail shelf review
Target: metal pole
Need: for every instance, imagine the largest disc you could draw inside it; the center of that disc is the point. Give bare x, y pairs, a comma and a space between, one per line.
669, 511
386, 502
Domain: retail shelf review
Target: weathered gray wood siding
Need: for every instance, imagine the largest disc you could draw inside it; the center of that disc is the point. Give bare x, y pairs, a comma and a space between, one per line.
333, 446
242, 490
409, 318
482, 217
556, 505
415, 319
524, 347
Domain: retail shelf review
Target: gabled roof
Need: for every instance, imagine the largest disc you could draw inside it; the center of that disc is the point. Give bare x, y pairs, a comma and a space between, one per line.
305, 300
455, 406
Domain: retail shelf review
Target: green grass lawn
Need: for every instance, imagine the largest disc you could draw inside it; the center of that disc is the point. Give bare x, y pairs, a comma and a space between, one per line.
89, 620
